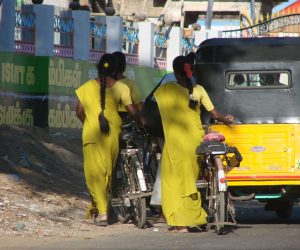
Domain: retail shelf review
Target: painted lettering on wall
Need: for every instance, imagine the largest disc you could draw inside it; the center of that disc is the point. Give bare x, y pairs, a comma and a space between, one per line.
63, 117
17, 74
61, 76
14, 115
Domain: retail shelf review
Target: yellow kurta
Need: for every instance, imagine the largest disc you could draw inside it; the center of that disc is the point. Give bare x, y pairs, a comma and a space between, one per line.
183, 132
134, 92
101, 151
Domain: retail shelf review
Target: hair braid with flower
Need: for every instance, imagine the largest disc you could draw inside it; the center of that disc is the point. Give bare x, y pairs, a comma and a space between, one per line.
188, 75
106, 67
182, 66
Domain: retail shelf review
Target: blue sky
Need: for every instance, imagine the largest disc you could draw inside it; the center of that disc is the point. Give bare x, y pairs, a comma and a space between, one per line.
283, 5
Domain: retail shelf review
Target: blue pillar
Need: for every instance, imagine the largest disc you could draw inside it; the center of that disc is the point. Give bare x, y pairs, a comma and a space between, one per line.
7, 25
81, 20
114, 33
44, 28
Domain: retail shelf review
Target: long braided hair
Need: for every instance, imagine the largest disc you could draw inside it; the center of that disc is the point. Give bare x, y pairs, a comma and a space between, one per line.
106, 67
182, 66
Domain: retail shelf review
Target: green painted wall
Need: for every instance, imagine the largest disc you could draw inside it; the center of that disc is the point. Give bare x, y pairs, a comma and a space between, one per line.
40, 91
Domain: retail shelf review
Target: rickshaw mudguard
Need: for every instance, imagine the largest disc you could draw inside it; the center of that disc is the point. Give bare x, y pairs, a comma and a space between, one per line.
271, 153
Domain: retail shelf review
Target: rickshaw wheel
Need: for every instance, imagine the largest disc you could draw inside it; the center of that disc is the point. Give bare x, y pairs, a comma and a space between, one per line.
284, 209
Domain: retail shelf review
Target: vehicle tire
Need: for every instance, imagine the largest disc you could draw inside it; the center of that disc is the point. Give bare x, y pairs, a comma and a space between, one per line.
219, 207
205, 204
119, 194
121, 211
284, 209
150, 168
138, 204
150, 172
139, 212
221, 213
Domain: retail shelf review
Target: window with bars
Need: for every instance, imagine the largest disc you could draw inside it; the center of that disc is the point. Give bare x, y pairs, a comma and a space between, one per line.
97, 36
25, 27
63, 31
161, 37
130, 37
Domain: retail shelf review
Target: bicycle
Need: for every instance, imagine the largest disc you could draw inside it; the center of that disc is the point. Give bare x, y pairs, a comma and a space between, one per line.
213, 187
129, 187
151, 157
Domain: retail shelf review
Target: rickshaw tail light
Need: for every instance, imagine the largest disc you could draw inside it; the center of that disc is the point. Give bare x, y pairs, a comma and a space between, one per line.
222, 180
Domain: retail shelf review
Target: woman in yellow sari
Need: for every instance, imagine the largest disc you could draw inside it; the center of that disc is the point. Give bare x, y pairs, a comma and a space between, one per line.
179, 105
97, 108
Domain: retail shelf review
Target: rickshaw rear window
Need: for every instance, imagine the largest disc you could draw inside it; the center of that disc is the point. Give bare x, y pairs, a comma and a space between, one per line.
258, 79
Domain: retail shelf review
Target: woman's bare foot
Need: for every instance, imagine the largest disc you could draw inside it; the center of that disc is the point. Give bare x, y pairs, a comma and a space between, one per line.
101, 220
178, 229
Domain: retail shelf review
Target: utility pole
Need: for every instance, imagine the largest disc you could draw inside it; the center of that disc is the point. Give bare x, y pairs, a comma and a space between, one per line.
182, 14
209, 14
252, 11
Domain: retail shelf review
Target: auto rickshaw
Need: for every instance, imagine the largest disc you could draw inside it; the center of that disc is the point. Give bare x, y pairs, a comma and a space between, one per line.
258, 81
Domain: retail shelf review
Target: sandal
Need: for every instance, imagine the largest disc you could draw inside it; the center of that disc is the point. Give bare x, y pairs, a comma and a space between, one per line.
197, 229
182, 230
100, 220
171, 229
178, 229
161, 219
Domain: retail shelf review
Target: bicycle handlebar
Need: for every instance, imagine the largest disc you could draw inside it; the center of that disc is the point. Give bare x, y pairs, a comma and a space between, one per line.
129, 125
133, 126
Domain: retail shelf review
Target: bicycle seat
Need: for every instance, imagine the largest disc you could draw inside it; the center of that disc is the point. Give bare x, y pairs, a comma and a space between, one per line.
214, 137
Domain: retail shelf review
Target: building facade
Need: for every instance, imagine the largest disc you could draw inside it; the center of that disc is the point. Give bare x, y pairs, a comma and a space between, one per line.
194, 10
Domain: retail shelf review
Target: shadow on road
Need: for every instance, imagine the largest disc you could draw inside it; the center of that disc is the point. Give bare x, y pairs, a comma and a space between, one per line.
253, 212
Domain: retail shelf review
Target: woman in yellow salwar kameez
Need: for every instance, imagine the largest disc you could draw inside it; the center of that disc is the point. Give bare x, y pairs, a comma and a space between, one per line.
97, 108
179, 105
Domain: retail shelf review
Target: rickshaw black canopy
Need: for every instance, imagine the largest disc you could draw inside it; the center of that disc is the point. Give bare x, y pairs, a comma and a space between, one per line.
222, 50
219, 59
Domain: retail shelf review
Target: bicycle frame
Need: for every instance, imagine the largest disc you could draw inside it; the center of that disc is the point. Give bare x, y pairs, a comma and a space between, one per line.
130, 189
214, 153
131, 157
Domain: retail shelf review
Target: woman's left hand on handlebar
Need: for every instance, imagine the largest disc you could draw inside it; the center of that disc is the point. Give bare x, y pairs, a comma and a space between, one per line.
228, 119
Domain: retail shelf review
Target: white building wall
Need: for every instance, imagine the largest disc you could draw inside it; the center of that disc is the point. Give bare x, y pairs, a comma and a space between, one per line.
58, 3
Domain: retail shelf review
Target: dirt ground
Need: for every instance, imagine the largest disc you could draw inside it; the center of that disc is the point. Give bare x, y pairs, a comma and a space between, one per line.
42, 187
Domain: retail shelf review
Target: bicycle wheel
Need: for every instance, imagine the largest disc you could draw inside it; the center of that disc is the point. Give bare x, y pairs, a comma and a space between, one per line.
150, 161
119, 199
138, 203
150, 168
150, 171
219, 207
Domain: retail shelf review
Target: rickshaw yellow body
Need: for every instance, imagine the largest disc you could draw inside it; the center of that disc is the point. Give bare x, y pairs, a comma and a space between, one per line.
271, 153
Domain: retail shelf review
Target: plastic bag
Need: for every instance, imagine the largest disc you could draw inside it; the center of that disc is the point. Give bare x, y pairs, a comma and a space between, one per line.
156, 192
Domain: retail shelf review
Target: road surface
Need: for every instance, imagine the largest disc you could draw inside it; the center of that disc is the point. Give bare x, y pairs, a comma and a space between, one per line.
257, 229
